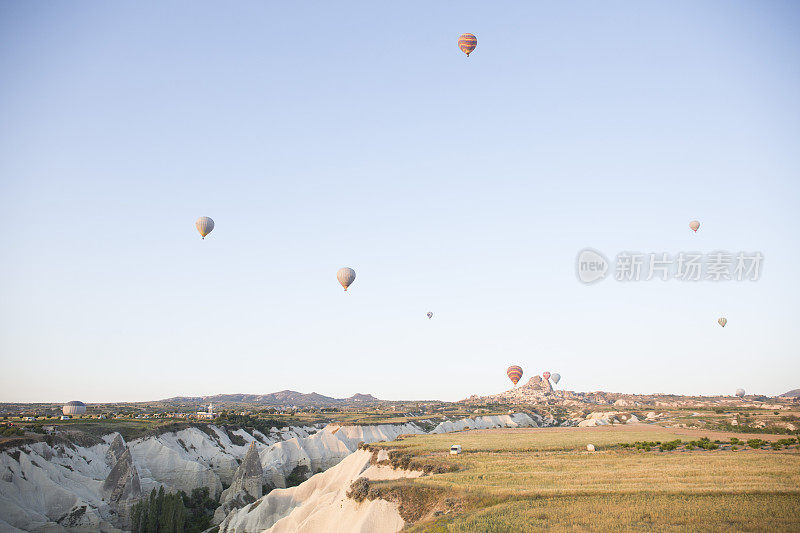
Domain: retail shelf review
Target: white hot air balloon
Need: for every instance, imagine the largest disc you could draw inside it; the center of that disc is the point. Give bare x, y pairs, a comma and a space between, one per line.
740, 393
204, 225
555, 377
346, 276
74, 408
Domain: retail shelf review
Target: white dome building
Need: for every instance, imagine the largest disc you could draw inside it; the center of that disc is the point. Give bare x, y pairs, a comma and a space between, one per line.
74, 408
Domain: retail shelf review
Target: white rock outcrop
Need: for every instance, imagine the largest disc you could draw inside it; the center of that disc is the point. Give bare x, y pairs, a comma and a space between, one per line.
605, 418
60, 487
321, 504
50, 488
517, 420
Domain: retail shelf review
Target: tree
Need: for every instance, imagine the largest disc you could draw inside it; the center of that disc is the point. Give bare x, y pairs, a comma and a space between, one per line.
160, 513
152, 513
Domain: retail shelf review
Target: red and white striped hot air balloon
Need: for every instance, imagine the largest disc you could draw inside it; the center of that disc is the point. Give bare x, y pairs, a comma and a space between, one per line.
467, 42
546, 375
694, 225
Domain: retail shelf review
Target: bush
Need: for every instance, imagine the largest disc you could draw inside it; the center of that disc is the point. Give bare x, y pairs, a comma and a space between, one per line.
238, 440
669, 446
297, 475
359, 489
755, 443
704, 443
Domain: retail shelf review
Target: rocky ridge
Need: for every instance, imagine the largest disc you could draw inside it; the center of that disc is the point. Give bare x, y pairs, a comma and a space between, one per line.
67, 487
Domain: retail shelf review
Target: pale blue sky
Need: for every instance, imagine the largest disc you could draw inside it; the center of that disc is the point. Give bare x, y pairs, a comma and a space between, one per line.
321, 135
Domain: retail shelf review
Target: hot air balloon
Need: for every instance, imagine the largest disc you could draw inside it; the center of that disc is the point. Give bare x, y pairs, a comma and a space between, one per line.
74, 408
204, 225
556, 377
740, 393
546, 375
514, 373
467, 42
430, 314
722, 321
694, 225
346, 276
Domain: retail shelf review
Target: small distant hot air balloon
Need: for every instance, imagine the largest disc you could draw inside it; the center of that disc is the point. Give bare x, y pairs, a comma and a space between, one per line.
722, 321
514, 373
555, 377
740, 393
204, 225
694, 225
346, 276
430, 314
546, 375
467, 42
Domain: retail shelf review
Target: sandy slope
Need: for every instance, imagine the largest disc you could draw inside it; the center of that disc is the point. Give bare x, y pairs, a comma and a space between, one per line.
321, 504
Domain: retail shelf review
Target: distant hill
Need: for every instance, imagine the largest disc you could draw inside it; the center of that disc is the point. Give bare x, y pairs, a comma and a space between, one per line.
363, 398
794, 393
284, 397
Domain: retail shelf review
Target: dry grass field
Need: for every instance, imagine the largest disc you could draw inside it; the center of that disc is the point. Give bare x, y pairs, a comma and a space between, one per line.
534, 479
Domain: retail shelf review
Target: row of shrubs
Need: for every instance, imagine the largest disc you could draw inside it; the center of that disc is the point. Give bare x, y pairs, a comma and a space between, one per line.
744, 428
705, 443
758, 443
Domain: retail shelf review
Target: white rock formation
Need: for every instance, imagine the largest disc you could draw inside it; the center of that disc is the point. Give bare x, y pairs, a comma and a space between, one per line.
324, 449
247, 485
44, 488
49, 488
321, 504
605, 418
487, 422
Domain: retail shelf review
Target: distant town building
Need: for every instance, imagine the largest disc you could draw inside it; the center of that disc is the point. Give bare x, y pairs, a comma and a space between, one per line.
209, 414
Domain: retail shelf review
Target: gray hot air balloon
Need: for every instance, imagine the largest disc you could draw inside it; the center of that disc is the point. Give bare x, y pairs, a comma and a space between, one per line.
555, 377
346, 276
204, 225
430, 314
740, 393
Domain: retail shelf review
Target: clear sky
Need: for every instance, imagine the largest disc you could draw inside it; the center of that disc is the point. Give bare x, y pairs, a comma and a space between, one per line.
319, 135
